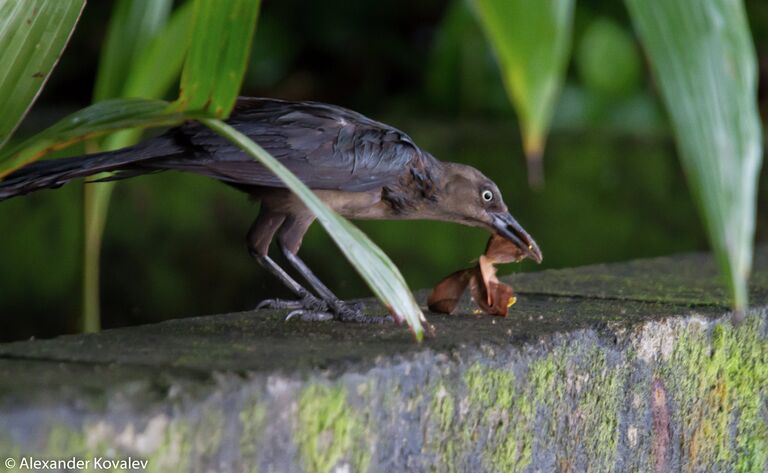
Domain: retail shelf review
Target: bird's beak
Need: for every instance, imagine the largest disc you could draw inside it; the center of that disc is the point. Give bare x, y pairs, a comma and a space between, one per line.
506, 226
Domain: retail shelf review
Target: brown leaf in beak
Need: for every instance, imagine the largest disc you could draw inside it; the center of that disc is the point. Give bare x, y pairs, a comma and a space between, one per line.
500, 250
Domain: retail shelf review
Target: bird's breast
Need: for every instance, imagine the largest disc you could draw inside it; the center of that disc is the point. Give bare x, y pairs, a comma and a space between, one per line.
356, 205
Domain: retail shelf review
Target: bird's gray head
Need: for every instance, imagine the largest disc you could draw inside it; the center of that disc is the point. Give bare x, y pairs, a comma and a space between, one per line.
467, 197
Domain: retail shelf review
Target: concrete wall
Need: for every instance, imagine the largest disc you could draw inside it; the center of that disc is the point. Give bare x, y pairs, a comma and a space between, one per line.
596, 369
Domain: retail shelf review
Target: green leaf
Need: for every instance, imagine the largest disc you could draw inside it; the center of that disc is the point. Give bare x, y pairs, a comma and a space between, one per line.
532, 41
215, 66
704, 62
373, 265
89, 123
96, 199
158, 65
33, 33
131, 27
142, 57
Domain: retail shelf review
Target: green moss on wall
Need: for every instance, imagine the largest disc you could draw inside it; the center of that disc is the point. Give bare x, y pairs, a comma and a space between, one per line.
718, 383
175, 449
567, 403
330, 431
597, 411
65, 441
251, 419
504, 413
442, 439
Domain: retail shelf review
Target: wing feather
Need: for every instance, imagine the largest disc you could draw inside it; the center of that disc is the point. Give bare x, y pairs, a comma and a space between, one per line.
326, 147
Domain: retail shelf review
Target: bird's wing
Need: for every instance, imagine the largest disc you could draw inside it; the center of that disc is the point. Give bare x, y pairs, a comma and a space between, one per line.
326, 147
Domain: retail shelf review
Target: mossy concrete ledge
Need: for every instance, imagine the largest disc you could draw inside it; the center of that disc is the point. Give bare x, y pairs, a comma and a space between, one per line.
628, 367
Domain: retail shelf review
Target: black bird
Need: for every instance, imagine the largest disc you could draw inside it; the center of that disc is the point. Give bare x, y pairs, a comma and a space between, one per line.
361, 168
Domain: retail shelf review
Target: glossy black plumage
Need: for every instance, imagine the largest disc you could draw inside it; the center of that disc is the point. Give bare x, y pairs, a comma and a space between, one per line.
327, 147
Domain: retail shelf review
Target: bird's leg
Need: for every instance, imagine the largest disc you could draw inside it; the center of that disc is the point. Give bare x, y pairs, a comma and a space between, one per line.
305, 299
259, 237
289, 241
344, 312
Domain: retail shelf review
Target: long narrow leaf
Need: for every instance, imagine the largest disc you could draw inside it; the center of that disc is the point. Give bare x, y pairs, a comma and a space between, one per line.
33, 33
218, 56
142, 57
157, 66
373, 265
91, 122
532, 41
96, 199
702, 55
132, 26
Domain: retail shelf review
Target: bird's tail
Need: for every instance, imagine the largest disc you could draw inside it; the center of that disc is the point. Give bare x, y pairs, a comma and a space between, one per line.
57, 172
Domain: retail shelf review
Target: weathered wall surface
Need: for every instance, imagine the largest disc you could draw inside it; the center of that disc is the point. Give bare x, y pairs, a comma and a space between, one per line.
609, 368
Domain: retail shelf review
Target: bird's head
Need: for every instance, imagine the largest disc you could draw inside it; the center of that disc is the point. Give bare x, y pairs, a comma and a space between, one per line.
468, 197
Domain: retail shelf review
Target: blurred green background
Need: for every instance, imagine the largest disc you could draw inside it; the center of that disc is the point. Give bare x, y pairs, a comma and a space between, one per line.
174, 244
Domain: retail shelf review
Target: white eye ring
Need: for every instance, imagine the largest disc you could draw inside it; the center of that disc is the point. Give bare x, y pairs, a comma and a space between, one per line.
487, 195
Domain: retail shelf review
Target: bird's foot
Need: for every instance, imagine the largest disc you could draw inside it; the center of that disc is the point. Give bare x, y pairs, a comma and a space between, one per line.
309, 316
278, 304
346, 312
341, 311
308, 303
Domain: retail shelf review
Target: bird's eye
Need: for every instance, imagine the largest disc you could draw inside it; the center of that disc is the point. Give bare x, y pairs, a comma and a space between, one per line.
487, 195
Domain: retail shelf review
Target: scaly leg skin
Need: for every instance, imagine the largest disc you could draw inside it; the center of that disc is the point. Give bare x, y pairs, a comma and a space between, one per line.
343, 315
259, 239
305, 301
343, 311
279, 304
308, 307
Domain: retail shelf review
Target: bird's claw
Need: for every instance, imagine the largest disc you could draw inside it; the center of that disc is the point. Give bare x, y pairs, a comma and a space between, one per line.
337, 310
309, 316
308, 302
312, 309
278, 304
